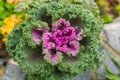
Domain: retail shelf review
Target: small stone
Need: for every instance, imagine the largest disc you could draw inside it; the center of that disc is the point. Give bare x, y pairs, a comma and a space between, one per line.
111, 65
85, 76
2, 61
107, 62
101, 71
117, 19
13, 72
112, 32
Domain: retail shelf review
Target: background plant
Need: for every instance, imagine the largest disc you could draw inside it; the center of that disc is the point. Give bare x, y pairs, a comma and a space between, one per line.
6, 10
8, 20
8, 24
109, 9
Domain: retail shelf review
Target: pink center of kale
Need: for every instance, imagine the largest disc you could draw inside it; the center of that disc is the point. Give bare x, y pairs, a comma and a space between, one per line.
63, 38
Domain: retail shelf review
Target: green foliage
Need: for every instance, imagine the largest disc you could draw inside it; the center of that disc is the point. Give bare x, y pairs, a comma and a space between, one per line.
117, 8
21, 47
5, 10
107, 19
109, 9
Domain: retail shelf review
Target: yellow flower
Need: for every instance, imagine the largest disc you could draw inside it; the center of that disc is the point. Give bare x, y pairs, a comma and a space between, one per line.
4, 40
8, 24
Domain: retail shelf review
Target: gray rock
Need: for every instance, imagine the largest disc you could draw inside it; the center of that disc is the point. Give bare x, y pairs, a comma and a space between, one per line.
100, 72
110, 64
85, 76
107, 62
117, 19
112, 32
13, 72
2, 61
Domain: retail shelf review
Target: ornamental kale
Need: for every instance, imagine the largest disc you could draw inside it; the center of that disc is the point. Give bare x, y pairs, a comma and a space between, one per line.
58, 41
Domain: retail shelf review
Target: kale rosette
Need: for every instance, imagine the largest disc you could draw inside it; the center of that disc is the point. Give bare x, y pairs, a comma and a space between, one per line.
59, 39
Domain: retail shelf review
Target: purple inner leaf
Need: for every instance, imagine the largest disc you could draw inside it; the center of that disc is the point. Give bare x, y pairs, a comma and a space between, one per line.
37, 33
